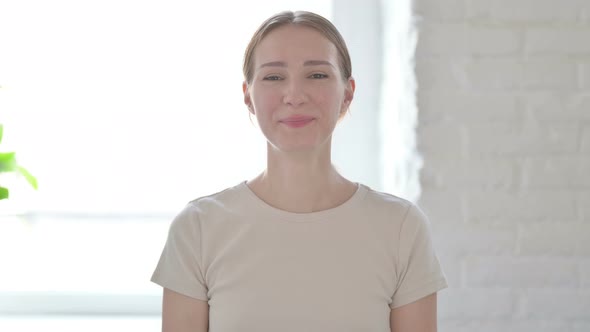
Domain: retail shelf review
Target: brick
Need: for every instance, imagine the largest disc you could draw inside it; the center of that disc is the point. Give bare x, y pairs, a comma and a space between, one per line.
460, 240
442, 39
514, 140
552, 40
536, 206
459, 39
557, 172
480, 10
441, 140
493, 41
455, 303
556, 106
579, 105
439, 10
584, 266
583, 203
435, 106
428, 177
452, 267
436, 74
554, 239
442, 206
504, 325
490, 74
507, 74
557, 303
585, 145
549, 74
520, 272
455, 325
526, 11
493, 173
582, 326
584, 76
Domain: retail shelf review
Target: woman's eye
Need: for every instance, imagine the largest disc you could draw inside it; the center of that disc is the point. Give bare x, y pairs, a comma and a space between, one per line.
272, 78
318, 75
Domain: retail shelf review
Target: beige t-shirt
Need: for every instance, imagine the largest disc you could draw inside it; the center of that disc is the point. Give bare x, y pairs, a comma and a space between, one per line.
264, 269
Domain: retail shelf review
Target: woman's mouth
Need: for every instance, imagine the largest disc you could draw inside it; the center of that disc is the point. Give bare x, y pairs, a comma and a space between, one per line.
297, 121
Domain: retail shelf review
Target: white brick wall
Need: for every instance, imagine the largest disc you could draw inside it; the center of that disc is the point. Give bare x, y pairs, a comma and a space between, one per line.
504, 129
477, 303
527, 11
520, 272
586, 139
585, 75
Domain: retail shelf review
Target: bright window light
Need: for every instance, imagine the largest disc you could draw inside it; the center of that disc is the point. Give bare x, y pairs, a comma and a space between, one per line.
124, 110
129, 106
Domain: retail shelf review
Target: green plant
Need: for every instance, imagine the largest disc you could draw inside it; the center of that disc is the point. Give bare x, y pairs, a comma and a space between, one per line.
8, 164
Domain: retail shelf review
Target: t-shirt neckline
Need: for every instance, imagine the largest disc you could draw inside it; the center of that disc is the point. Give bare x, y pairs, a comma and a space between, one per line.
284, 215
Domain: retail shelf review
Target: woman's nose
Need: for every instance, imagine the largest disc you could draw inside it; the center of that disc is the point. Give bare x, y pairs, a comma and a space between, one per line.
295, 93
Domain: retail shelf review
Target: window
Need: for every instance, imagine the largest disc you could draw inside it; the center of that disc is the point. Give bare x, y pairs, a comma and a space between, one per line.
124, 110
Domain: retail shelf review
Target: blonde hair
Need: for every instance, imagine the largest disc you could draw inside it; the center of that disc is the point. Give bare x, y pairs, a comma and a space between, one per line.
300, 18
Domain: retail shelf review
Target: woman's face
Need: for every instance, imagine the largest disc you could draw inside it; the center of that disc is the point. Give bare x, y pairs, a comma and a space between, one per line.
297, 91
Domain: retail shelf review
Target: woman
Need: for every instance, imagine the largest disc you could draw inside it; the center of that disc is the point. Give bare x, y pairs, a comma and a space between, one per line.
299, 247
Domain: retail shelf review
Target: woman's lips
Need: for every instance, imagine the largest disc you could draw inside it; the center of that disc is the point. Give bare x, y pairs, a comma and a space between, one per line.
297, 121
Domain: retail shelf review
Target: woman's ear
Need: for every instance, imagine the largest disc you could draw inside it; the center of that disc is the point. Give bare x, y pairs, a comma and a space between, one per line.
348, 96
349, 92
247, 99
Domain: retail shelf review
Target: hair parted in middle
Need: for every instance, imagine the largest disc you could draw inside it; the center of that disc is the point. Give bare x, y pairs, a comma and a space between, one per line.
299, 18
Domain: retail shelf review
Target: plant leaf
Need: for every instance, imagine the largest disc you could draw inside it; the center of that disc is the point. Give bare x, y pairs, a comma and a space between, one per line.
31, 179
3, 193
7, 162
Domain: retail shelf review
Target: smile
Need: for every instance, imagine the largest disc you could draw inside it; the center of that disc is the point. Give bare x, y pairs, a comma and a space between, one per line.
297, 121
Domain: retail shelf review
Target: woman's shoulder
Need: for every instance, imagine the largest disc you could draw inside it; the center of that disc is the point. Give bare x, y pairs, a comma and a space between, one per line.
382, 200
205, 207
222, 195
223, 200
392, 208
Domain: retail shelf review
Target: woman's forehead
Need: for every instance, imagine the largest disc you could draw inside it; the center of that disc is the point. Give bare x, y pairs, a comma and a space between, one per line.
295, 42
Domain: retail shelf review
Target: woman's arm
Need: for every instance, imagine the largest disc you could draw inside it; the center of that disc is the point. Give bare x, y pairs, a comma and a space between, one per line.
419, 316
181, 313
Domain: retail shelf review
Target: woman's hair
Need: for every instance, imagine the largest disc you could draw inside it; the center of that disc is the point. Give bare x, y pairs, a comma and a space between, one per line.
300, 18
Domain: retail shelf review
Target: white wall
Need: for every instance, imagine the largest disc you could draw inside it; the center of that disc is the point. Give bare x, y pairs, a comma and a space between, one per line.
504, 130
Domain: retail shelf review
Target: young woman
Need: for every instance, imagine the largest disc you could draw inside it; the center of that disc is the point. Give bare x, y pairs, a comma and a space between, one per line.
299, 247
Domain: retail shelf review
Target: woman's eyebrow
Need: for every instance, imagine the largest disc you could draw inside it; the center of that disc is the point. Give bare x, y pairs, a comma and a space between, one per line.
273, 64
306, 63
317, 63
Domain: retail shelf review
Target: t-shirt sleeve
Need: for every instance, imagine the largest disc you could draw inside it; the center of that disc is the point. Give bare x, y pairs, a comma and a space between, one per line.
180, 265
419, 271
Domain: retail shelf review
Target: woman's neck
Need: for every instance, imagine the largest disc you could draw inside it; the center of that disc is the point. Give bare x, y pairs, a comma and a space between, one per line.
301, 182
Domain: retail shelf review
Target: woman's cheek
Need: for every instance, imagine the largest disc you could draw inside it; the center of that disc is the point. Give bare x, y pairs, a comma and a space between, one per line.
267, 102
